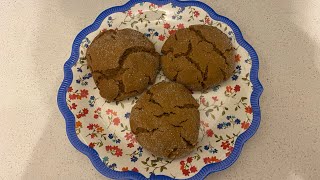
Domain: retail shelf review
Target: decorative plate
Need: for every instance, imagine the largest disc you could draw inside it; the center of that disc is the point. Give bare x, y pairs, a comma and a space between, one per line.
230, 112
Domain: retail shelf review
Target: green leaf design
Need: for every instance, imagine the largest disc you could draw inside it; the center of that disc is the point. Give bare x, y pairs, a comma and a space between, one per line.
208, 111
162, 168
244, 98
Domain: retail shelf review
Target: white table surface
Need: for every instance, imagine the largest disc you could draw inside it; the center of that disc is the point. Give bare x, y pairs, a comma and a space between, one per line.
36, 38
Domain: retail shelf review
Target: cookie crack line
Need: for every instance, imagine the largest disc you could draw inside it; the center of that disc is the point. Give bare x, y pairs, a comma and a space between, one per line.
180, 124
151, 99
224, 74
215, 49
188, 143
116, 72
144, 130
187, 106
194, 63
165, 114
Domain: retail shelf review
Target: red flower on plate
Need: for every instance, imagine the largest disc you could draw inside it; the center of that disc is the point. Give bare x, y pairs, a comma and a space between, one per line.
185, 172
73, 96
182, 163
125, 169
129, 13
135, 169
162, 37
73, 106
212, 159
130, 145
91, 145
229, 89
114, 150
207, 20
215, 98
193, 169
225, 145
171, 32
209, 133
85, 111
249, 109
70, 89
196, 13
203, 101
166, 26
84, 93
110, 111
237, 58
140, 11
237, 88
90, 126
116, 121
189, 160
180, 26
245, 125
79, 115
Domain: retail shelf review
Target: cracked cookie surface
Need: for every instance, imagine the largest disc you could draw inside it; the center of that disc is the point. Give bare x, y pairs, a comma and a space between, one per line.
198, 57
166, 120
123, 63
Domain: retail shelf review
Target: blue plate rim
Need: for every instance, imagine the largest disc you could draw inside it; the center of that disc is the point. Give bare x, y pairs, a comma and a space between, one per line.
93, 155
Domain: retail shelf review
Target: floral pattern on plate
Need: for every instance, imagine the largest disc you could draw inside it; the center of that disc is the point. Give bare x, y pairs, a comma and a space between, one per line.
225, 110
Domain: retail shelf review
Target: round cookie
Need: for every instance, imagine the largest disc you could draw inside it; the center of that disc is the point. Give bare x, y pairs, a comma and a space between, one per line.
198, 57
166, 120
123, 63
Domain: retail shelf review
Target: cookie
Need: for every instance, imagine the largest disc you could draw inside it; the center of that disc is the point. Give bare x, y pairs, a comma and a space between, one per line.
198, 57
123, 63
166, 120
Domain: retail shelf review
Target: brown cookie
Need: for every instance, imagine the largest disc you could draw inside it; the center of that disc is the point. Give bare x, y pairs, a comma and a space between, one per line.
198, 57
123, 63
166, 120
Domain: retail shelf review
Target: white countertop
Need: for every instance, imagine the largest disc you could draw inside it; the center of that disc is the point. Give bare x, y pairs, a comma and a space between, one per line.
36, 38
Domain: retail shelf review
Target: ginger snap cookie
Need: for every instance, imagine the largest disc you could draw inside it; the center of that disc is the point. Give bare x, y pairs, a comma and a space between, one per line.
198, 57
166, 120
123, 63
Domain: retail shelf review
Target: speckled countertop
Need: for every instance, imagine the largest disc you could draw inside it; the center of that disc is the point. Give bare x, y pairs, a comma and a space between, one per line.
36, 38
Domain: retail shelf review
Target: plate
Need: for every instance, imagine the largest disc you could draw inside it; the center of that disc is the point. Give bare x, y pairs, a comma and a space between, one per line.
229, 112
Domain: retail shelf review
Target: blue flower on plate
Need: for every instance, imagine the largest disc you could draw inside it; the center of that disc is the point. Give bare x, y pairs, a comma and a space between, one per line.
134, 159
118, 141
127, 115
235, 77
113, 166
237, 121
110, 136
213, 151
238, 67
206, 147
